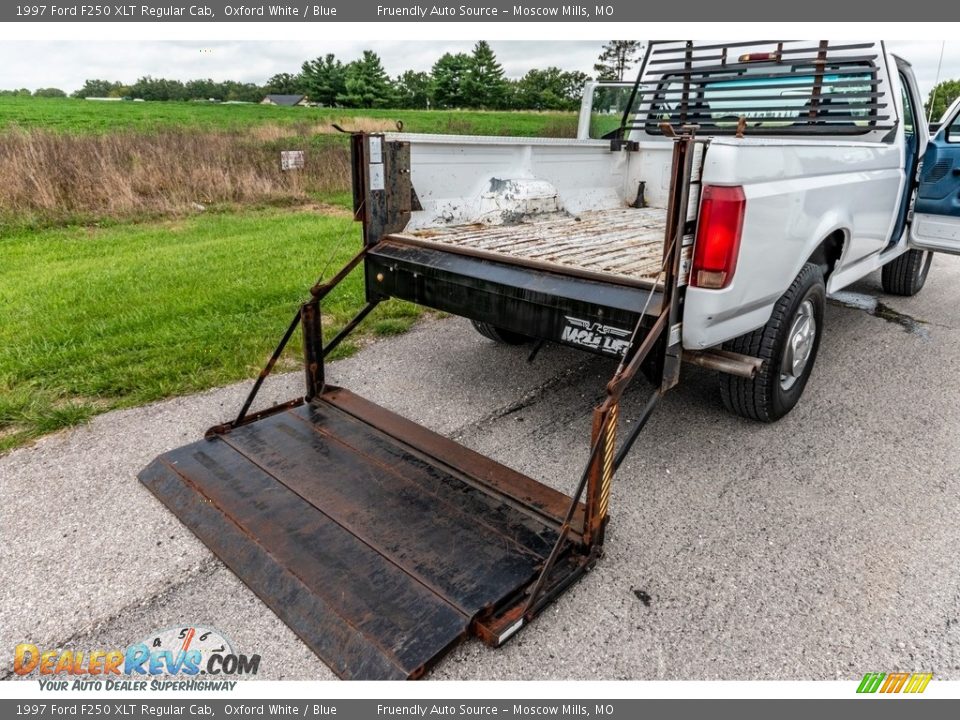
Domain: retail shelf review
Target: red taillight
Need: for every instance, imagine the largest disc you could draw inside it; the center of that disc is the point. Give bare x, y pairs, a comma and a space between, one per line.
718, 236
758, 57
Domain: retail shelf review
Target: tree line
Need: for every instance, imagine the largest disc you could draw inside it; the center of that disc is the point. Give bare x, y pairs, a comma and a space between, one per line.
474, 80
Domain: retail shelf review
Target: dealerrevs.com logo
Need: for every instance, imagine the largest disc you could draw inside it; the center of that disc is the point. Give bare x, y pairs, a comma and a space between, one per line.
177, 658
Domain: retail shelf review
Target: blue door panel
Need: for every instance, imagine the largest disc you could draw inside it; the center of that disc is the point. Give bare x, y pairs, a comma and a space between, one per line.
939, 191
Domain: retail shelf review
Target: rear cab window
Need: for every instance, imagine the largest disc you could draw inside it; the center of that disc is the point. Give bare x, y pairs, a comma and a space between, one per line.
839, 100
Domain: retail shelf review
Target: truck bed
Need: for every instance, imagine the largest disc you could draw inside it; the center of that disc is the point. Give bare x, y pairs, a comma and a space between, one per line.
622, 244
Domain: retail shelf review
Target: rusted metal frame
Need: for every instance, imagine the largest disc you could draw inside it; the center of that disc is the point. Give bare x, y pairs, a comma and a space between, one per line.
601, 421
625, 374
602, 462
318, 291
627, 111
755, 43
641, 422
818, 79
268, 368
679, 229
565, 528
312, 349
495, 629
542, 265
673, 238
685, 96
251, 417
606, 416
349, 327
383, 190
796, 64
321, 289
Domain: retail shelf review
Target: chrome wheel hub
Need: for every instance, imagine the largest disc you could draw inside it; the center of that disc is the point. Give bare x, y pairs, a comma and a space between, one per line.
800, 340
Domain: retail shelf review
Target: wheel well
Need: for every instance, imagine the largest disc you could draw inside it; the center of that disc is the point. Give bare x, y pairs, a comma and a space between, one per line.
828, 252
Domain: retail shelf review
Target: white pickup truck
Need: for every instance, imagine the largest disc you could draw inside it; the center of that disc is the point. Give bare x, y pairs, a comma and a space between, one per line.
815, 157
736, 185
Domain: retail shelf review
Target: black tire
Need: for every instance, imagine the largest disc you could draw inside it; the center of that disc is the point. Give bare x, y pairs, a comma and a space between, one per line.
772, 393
507, 337
906, 274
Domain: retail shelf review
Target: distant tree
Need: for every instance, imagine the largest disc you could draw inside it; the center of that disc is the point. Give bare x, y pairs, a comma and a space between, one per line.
150, 88
49, 92
449, 75
323, 79
98, 88
242, 92
941, 96
203, 89
285, 84
367, 84
484, 85
550, 89
413, 90
616, 57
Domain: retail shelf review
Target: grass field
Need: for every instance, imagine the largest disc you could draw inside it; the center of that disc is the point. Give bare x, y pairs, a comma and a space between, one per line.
96, 319
85, 116
115, 291
76, 161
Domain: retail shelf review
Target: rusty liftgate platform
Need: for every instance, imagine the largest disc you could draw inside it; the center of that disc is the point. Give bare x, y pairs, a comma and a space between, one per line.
379, 542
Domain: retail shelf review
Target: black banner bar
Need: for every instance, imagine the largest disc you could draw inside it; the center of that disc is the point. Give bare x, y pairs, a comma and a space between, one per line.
477, 11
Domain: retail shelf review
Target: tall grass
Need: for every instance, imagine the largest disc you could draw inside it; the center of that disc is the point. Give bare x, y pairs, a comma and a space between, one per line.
49, 178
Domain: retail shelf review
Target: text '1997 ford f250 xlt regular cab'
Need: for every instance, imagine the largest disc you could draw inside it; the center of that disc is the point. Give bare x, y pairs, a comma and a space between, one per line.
702, 216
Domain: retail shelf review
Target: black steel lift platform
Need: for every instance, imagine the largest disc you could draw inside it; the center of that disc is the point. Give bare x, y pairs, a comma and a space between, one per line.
379, 542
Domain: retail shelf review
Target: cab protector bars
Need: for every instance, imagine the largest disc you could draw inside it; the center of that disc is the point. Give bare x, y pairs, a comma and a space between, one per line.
776, 87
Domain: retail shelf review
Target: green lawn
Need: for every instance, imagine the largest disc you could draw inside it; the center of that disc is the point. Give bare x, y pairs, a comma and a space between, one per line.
95, 319
84, 116
123, 313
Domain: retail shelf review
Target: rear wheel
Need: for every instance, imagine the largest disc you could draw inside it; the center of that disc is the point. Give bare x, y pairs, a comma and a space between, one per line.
787, 344
907, 273
507, 337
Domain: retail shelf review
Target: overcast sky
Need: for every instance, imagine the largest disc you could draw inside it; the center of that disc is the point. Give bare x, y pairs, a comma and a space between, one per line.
66, 65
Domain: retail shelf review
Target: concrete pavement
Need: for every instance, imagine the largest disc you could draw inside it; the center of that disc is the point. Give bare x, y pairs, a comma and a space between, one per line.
821, 547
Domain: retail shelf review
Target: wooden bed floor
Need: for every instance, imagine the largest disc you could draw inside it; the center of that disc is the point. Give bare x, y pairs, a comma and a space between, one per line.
624, 242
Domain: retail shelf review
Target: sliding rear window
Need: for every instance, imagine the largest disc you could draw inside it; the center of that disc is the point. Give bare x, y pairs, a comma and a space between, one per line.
772, 100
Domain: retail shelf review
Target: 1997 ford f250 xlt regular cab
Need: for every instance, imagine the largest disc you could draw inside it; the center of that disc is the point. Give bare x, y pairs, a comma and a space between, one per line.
729, 189
814, 192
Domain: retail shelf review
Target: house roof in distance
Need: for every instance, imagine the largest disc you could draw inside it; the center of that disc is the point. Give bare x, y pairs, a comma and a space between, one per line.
285, 99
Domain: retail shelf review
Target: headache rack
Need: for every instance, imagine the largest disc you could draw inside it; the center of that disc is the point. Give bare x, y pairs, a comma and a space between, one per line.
770, 87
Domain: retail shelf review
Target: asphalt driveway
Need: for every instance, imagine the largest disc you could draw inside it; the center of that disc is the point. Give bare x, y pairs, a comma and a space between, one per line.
821, 547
